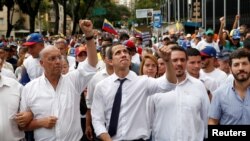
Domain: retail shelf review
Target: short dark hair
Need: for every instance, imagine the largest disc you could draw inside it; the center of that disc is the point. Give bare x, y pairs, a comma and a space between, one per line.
124, 36
246, 43
108, 39
193, 52
239, 53
178, 48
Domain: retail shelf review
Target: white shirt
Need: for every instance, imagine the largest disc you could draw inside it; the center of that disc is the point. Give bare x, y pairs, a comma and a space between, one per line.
218, 75
100, 75
132, 122
201, 45
33, 67
209, 83
8, 73
8, 65
10, 91
136, 59
64, 103
71, 61
180, 115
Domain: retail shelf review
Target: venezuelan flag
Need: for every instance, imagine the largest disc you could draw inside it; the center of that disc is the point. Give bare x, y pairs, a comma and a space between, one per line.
136, 31
107, 26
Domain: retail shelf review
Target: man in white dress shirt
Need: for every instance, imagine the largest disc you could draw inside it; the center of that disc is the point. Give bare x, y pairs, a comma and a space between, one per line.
182, 114
54, 98
132, 123
10, 91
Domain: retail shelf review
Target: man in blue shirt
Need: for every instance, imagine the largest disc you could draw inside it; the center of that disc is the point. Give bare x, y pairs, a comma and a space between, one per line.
230, 103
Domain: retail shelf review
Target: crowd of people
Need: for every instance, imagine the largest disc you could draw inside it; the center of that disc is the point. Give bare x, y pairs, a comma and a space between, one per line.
99, 86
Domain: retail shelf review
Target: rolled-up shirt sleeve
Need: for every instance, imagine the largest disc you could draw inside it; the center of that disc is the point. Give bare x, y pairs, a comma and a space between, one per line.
160, 85
82, 75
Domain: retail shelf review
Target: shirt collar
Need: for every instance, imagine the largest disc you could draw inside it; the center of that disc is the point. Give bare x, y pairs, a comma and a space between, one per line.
187, 78
129, 77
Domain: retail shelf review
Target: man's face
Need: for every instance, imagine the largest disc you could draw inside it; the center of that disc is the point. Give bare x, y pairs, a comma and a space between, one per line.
120, 57
194, 65
224, 66
2, 54
179, 61
240, 69
52, 62
206, 62
62, 47
35, 49
209, 38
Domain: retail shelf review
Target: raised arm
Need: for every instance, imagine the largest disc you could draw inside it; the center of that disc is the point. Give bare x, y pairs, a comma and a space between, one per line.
87, 28
237, 17
222, 23
165, 54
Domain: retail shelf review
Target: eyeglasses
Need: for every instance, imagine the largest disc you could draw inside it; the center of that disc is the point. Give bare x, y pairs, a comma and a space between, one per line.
205, 57
54, 58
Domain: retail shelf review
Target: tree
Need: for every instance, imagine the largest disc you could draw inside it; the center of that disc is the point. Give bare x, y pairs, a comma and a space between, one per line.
10, 6
30, 7
56, 26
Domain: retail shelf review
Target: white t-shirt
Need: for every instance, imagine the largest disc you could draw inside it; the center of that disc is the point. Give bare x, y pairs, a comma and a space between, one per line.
218, 75
203, 43
33, 67
8, 73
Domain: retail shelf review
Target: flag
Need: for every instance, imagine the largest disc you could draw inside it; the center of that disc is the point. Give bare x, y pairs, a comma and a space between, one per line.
136, 31
107, 26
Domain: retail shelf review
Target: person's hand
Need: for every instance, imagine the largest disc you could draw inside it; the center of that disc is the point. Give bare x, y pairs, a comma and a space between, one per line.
86, 27
165, 53
89, 133
222, 20
23, 118
49, 122
237, 17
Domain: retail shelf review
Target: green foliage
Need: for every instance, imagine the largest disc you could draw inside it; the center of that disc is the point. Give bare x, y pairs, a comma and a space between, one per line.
114, 13
144, 4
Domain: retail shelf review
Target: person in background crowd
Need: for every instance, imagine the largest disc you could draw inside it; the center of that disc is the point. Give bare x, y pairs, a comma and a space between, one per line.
247, 44
161, 67
223, 61
62, 45
230, 103
6, 64
208, 41
22, 55
208, 58
135, 67
234, 40
149, 66
146, 51
194, 67
31, 66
